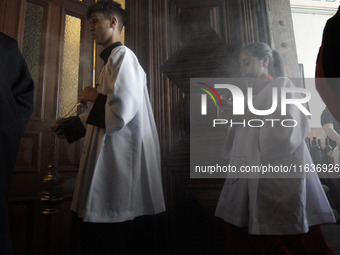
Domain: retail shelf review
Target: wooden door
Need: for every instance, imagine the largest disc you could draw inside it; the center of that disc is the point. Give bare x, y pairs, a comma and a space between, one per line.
55, 40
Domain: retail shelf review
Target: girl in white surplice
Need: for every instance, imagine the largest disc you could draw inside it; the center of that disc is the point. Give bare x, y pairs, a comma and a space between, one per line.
271, 215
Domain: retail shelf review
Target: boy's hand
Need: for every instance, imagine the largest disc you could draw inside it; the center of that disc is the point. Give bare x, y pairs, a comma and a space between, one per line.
89, 94
56, 128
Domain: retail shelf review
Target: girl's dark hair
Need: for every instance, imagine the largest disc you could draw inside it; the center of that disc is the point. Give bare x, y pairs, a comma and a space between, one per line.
108, 8
261, 50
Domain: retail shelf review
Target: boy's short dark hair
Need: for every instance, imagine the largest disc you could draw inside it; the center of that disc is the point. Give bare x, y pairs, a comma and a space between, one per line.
109, 8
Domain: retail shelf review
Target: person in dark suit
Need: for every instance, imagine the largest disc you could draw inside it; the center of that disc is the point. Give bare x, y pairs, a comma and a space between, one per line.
16, 105
327, 71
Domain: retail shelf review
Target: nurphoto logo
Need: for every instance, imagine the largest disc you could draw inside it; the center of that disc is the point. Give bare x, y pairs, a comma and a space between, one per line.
234, 98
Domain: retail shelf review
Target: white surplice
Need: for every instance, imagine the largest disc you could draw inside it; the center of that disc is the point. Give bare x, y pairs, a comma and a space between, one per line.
274, 206
120, 173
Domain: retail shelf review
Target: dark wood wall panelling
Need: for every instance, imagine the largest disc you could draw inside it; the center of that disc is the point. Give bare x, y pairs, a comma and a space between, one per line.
2, 14
176, 41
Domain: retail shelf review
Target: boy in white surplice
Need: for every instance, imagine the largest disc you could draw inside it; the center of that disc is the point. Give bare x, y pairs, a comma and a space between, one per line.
272, 215
119, 176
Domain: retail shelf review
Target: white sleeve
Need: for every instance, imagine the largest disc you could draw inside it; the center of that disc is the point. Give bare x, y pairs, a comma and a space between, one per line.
331, 133
126, 80
228, 142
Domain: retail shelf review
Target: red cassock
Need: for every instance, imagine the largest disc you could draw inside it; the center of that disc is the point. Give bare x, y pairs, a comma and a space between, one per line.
239, 242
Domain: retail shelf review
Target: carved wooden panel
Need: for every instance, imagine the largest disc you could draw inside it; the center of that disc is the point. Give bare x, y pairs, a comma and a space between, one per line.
28, 159
23, 224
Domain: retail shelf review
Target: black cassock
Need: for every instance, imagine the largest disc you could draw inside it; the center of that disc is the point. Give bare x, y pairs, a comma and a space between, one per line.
16, 105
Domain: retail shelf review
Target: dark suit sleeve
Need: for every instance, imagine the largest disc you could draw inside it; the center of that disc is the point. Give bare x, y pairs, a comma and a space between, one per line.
16, 104
22, 89
331, 53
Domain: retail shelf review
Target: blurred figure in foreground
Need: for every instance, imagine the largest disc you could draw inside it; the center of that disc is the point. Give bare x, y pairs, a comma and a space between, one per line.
327, 71
16, 106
